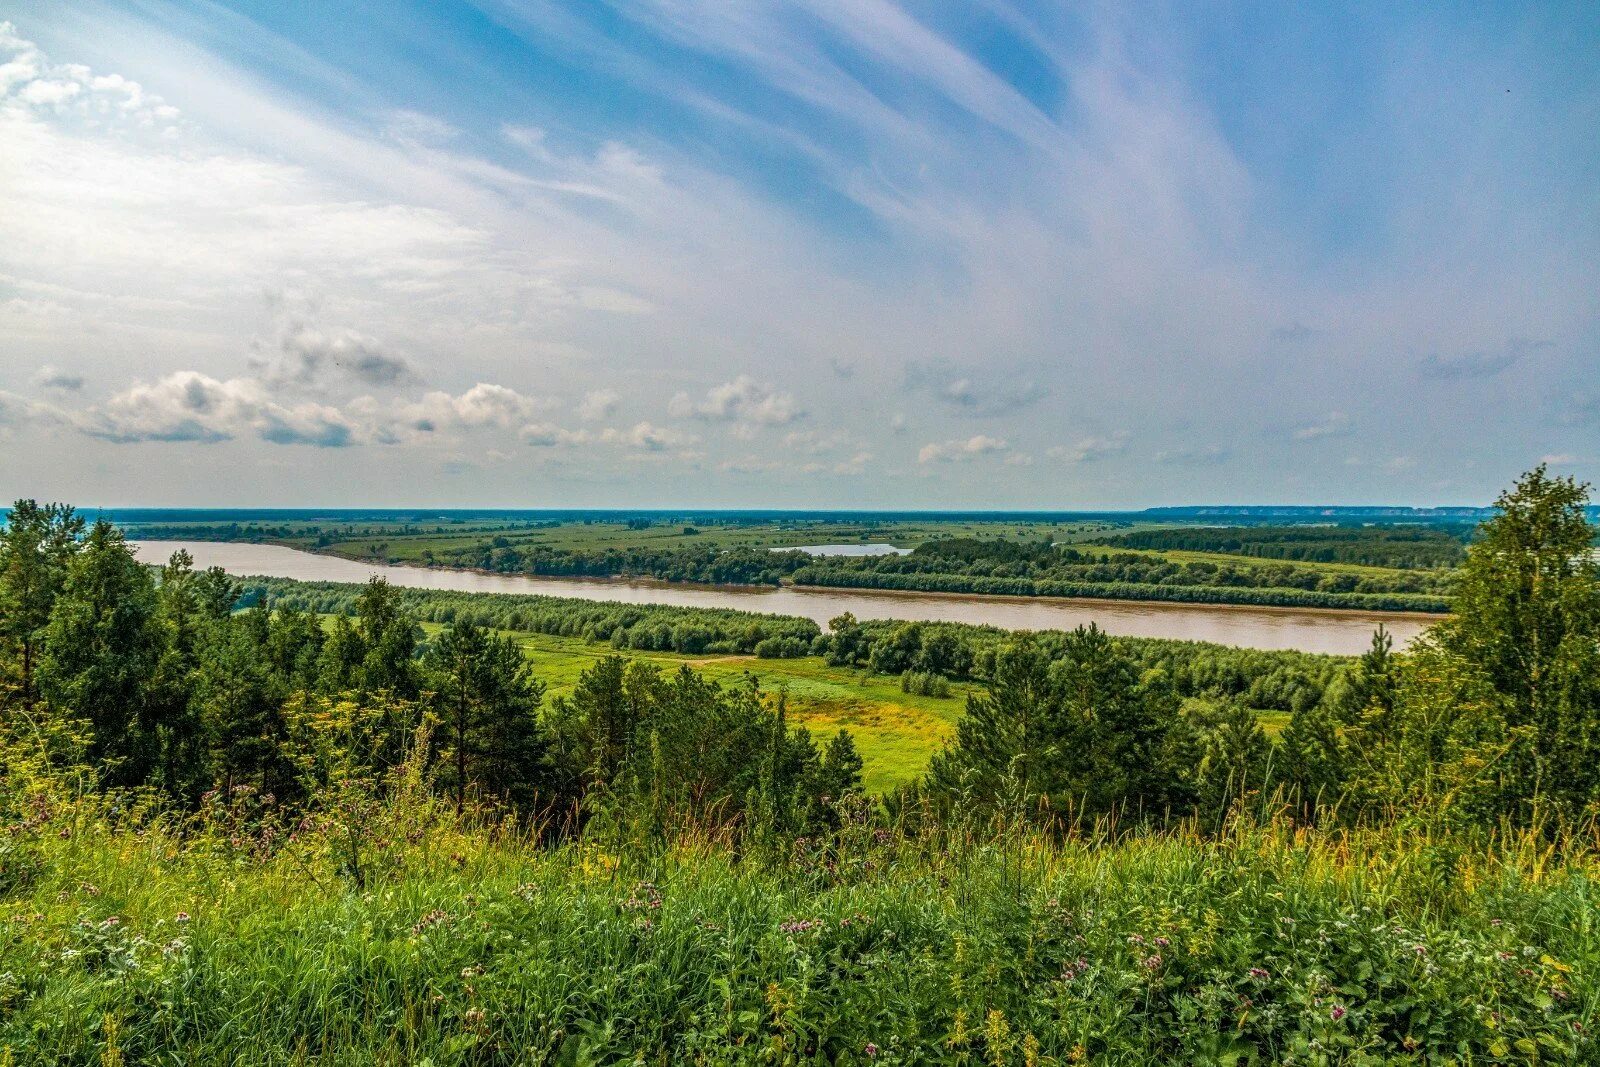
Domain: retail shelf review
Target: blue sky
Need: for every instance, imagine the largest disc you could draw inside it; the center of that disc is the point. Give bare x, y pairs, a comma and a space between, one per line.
809, 253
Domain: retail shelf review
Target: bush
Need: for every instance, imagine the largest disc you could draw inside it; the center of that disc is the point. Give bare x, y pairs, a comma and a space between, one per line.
924, 684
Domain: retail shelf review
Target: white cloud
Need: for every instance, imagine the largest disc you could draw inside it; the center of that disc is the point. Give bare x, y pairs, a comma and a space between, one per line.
190, 406
1090, 449
1014, 266
195, 407
546, 435
959, 450
51, 377
647, 437
815, 442
483, 405
742, 400
597, 404
306, 355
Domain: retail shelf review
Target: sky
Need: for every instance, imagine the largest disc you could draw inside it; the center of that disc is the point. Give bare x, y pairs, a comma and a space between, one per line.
796, 253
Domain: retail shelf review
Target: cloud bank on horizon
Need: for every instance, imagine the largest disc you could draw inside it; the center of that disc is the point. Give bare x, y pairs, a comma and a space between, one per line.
795, 252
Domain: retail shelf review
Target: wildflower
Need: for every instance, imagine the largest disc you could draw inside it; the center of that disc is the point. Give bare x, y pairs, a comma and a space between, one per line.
1337, 1013
181, 917
1259, 974
1153, 963
871, 1050
1163, 942
429, 921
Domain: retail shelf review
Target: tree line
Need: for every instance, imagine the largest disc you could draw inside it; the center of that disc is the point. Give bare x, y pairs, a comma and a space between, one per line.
971, 565
163, 682
1491, 719
157, 681
1399, 547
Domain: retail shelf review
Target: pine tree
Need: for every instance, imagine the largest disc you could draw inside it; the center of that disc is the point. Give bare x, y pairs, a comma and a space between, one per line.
101, 648
37, 546
489, 701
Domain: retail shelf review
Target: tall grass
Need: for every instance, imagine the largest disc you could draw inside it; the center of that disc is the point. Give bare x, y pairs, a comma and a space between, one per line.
132, 936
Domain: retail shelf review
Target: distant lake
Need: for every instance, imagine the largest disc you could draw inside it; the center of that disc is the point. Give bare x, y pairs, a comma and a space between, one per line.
1309, 630
845, 550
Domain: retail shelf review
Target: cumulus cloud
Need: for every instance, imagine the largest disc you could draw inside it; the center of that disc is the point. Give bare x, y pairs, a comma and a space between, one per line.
190, 406
547, 435
1090, 449
961, 450
306, 355
30, 78
195, 407
1337, 424
51, 377
598, 404
647, 437
484, 405
744, 401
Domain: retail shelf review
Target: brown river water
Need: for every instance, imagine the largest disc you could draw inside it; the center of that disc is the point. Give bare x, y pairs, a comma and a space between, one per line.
1309, 630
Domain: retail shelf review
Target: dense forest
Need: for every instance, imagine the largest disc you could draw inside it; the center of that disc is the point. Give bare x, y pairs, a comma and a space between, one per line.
214, 797
1400, 547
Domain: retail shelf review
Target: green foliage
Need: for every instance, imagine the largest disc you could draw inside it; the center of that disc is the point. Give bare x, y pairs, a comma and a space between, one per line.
1377, 546
649, 627
411, 860
390, 931
489, 702
37, 544
1257, 588
101, 649
1528, 623
1077, 736
924, 684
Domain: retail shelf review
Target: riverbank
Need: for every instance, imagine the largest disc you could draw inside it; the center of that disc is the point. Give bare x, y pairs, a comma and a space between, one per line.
1328, 631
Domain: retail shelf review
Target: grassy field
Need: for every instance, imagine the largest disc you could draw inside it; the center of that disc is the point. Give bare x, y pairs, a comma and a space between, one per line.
126, 942
895, 732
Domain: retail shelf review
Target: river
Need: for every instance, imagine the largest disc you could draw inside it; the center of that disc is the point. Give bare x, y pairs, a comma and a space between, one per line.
1309, 630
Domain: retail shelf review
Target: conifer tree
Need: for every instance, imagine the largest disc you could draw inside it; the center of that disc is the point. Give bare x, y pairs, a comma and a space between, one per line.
36, 548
